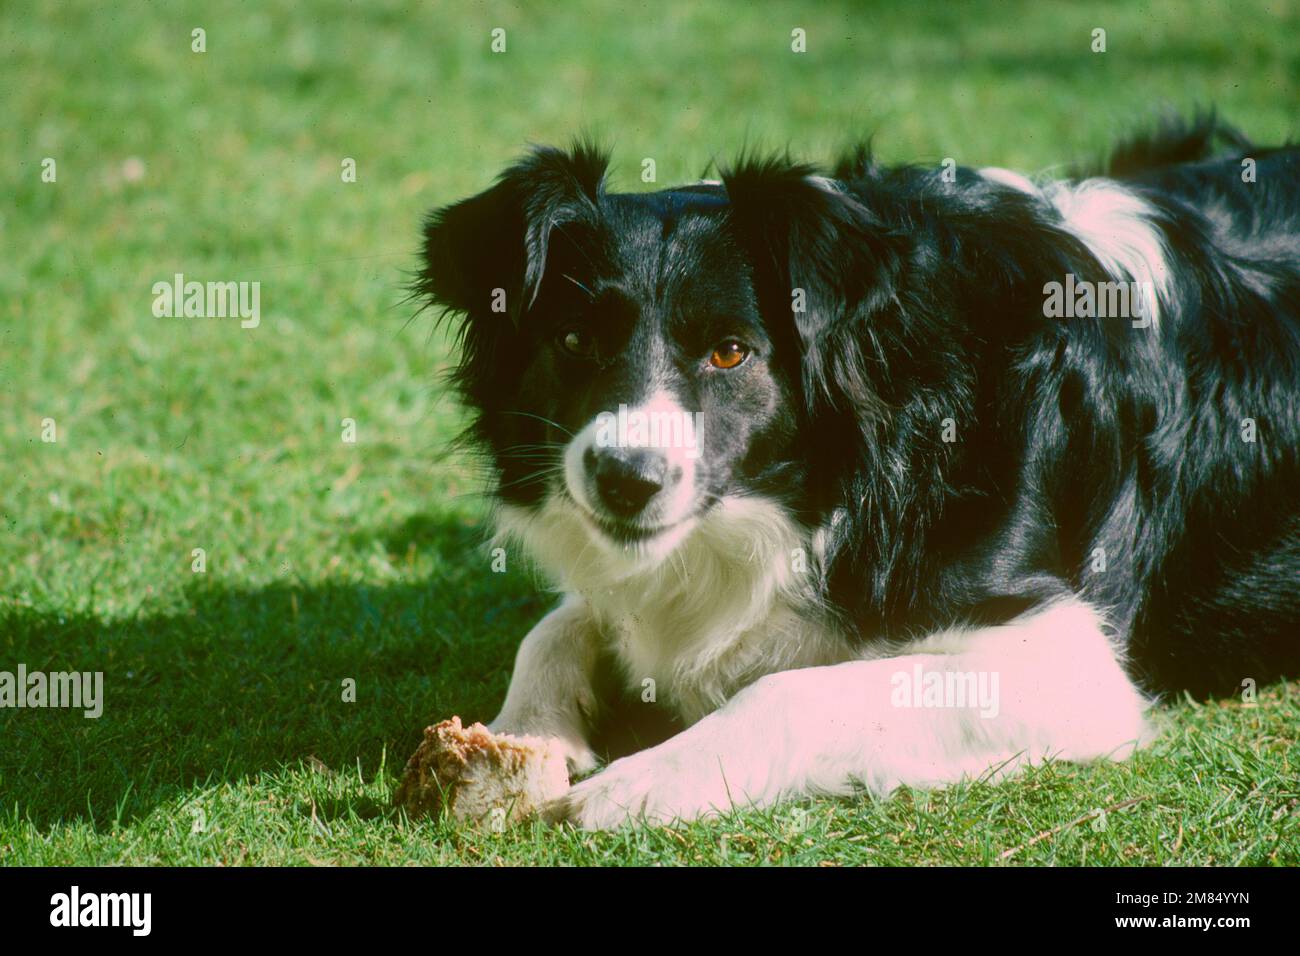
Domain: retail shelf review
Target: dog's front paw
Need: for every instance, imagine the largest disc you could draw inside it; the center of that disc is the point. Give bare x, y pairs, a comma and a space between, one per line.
657, 786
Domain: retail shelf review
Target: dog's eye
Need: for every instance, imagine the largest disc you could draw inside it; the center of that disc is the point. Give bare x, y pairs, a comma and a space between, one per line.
579, 343
729, 354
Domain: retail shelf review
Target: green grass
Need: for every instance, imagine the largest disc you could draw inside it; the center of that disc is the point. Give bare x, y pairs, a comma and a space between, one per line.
328, 561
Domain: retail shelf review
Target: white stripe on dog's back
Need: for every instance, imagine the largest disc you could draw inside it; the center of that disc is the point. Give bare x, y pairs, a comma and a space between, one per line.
1116, 225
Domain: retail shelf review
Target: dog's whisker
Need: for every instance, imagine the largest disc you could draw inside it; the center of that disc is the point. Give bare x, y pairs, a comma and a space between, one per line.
540, 418
590, 294
533, 477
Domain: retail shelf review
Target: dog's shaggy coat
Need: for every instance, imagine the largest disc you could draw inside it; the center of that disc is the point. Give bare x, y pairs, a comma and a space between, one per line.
927, 447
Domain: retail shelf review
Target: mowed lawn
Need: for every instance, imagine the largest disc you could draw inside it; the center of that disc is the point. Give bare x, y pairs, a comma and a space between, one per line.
225, 736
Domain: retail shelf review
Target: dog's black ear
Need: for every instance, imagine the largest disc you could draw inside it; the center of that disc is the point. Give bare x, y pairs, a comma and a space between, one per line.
821, 256
487, 254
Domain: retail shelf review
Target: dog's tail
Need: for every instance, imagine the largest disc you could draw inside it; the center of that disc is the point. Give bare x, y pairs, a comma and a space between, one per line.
1175, 139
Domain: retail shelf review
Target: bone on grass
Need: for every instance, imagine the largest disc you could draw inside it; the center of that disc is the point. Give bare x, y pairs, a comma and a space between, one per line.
475, 774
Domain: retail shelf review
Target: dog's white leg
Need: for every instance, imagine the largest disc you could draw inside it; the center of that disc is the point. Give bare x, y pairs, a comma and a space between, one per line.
1052, 687
550, 692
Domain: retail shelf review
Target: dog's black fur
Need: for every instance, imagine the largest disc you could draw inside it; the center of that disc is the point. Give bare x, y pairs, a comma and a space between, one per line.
924, 302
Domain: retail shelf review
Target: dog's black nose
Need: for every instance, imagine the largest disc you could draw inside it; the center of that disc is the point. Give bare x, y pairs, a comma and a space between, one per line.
626, 479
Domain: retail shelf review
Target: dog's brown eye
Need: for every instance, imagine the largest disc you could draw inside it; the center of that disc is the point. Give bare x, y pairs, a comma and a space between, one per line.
579, 343
729, 354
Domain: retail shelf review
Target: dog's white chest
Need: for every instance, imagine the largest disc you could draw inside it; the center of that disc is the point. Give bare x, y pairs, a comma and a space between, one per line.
731, 599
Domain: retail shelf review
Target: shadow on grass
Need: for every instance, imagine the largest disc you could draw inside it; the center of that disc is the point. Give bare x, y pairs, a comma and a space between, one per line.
244, 682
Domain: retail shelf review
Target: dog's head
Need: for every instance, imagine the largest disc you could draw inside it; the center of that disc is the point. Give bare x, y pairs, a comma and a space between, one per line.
639, 359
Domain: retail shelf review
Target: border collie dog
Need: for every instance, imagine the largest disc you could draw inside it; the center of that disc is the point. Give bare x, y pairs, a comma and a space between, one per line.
885, 476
